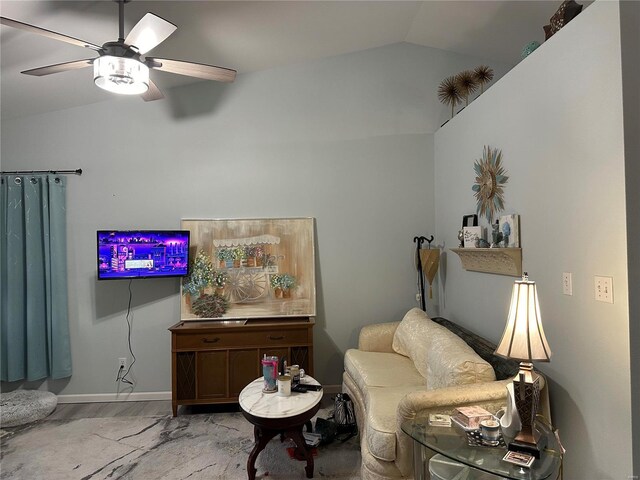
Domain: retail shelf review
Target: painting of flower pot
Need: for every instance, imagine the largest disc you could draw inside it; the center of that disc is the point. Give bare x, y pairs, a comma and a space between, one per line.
260, 267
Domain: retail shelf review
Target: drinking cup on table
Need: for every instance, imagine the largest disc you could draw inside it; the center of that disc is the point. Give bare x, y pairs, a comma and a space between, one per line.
284, 385
295, 374
269, 373
490, 432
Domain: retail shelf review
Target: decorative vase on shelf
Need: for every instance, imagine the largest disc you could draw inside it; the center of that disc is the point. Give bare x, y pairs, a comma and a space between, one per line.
278, 292
286, 293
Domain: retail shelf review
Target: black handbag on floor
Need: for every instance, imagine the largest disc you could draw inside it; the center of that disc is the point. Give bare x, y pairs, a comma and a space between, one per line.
344, 416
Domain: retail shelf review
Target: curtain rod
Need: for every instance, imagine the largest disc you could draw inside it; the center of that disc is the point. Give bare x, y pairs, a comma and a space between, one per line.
54, 172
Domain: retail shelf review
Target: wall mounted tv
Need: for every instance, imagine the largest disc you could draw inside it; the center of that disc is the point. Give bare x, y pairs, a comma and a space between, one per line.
142, 253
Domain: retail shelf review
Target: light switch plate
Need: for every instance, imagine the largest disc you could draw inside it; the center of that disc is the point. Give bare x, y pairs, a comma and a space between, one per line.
604, 289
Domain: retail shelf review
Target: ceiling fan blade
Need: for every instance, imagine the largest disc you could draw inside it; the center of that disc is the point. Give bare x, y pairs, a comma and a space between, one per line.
191, 69
149, 32
153, 93
47, 33
59, 67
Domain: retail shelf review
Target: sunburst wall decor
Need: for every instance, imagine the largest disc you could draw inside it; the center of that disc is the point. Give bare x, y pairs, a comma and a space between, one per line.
489, 185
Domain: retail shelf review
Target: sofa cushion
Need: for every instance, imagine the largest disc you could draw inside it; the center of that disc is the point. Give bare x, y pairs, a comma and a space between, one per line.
440, 356
503, 367
377, 369
381, 418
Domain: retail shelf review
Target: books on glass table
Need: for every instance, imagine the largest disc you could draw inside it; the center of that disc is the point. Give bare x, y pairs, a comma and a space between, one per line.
469, 418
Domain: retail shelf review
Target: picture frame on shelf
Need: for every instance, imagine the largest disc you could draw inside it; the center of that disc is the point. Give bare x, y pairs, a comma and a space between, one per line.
509, 226
470, 220
471, 235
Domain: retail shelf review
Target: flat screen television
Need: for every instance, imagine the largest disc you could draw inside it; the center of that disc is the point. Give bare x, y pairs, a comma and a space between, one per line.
142, 253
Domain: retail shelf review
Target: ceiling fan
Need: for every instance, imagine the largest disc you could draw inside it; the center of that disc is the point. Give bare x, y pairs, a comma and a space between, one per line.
120, 66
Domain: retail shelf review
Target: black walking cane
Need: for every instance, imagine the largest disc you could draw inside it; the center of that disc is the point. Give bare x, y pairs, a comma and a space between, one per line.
419, 241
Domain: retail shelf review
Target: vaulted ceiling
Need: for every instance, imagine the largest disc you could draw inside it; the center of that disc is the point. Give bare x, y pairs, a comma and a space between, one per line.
249, 36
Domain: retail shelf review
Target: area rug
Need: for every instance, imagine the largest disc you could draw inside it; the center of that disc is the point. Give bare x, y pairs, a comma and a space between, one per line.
196, 446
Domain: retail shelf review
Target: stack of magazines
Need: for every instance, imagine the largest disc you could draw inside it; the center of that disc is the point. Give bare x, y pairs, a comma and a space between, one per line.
439, 420
312, 439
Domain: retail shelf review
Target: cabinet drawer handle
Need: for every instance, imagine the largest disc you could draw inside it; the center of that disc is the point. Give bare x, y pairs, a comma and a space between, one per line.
213, 340
271, 337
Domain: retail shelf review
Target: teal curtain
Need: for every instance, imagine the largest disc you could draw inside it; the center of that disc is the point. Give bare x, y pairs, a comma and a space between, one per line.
34, 326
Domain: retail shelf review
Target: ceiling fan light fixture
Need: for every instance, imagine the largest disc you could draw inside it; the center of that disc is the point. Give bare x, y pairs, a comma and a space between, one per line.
126, 76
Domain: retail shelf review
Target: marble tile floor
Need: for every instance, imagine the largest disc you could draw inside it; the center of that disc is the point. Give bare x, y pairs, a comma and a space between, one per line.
67, 411
141, 440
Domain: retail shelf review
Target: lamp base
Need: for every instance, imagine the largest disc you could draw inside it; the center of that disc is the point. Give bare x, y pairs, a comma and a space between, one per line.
526, 387
525, 445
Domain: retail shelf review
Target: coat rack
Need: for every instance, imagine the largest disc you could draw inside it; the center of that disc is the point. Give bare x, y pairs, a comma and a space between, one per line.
427, 261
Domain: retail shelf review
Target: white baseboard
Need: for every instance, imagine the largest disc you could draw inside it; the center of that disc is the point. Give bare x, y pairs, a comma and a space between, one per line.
114, 397
145, 396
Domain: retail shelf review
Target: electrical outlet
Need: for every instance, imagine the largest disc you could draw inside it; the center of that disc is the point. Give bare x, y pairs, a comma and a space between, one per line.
604, 289
122, 363
567, 283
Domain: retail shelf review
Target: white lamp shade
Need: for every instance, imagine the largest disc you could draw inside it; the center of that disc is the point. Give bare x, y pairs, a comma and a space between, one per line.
523, 338
121, 75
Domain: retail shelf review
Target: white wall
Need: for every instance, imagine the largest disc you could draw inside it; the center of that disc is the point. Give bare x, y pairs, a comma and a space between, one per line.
557, 117
347, 140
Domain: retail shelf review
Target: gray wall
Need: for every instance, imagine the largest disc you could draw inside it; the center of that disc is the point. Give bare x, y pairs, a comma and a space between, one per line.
557, 116
630, 36
347, 140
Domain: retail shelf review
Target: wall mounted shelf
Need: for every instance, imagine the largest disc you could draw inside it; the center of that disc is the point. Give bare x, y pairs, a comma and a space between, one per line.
501, 261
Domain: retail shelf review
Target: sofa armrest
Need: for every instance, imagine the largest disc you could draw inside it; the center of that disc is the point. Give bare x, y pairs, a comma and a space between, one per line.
377, 337
490, 395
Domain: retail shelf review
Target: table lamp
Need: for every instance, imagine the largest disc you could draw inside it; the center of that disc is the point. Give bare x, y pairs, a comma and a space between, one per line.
523, 339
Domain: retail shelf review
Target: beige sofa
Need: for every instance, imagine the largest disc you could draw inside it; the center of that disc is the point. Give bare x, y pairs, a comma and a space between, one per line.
409, 369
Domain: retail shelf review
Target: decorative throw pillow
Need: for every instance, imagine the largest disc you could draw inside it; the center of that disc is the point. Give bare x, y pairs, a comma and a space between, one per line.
412, 333
439, 355
567, 12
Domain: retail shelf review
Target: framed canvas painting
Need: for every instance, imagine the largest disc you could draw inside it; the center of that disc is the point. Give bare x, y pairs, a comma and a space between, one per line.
250, 268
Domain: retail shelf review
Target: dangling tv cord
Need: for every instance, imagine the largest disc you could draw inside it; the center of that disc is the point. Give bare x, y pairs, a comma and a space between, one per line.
124, 378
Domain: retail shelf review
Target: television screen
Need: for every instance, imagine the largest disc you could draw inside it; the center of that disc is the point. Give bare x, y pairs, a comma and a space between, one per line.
142, 253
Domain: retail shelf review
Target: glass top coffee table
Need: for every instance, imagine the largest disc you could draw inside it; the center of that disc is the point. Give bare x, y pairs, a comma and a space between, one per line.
451, 442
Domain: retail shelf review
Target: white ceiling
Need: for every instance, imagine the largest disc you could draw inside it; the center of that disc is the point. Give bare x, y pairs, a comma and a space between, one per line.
249, 36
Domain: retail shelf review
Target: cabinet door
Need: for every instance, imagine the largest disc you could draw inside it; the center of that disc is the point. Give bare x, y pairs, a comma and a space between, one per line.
244, 368
185, 376
278, 352
212, 374
302, 357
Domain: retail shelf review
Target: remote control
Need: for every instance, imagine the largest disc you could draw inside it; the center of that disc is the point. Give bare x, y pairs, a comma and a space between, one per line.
303, 387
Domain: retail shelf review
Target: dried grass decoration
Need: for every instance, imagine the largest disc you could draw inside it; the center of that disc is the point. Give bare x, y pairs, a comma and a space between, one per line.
467, 84
483, 74
490, 178
449, 93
